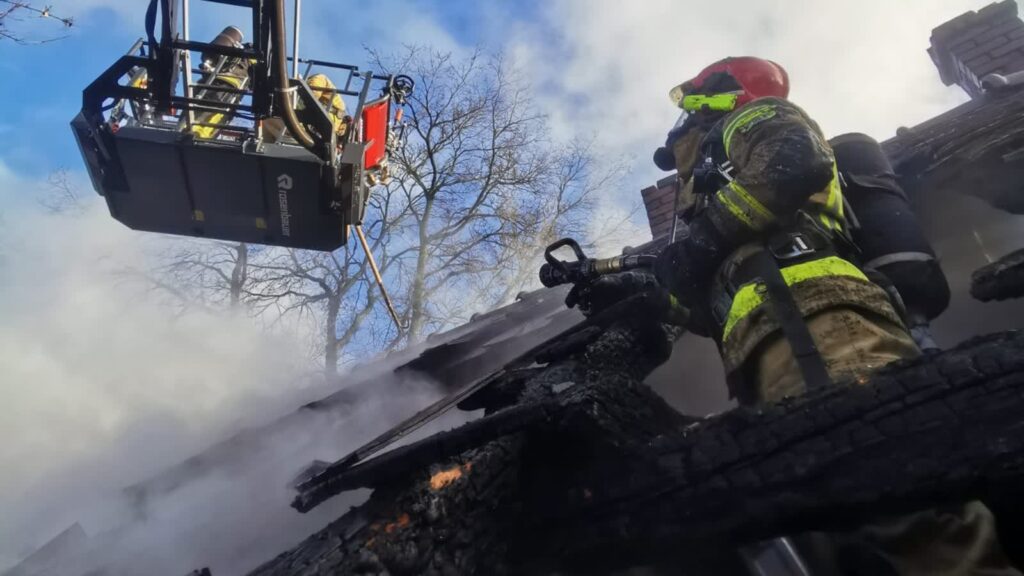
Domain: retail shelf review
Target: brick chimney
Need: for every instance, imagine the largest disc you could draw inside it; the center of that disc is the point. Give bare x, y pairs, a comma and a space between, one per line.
659, 200
975, 44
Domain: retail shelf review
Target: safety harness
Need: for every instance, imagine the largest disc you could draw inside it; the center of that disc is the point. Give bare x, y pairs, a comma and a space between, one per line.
766, 277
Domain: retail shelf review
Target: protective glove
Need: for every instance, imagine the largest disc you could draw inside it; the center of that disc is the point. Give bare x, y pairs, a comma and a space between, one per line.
605, 291
597, 295
687, 267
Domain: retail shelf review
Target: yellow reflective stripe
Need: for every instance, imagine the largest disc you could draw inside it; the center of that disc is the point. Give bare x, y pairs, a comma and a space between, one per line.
235, 81
140, 80
747, 298
735, 210
677, 313
832, 216
750, 295
834, 204
673, 302
758, 210
675, 306
208, 131
744, 118
827, 266
835, 192
717, 102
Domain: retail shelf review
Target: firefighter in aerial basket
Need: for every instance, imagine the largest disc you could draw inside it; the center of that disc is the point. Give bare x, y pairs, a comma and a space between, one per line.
224, 81
327, 95
801, 287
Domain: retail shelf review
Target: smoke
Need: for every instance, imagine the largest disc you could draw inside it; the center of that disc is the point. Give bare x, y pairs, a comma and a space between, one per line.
104, 387
231, 513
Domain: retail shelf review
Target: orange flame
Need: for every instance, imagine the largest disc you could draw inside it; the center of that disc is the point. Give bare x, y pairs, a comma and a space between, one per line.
402, 522
445, 477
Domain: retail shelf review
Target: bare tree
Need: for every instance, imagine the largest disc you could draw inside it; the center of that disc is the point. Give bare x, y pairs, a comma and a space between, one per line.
560, 205
481, 184
331, 289
216, 274
477, 191
14, 14
61, 196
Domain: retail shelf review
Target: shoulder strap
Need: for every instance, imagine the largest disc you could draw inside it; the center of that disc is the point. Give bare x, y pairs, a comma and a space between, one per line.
708, 174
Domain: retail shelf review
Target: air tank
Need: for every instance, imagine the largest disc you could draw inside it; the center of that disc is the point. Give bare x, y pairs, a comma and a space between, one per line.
886, 230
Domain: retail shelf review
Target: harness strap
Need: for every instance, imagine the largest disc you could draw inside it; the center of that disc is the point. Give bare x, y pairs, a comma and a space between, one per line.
787, 314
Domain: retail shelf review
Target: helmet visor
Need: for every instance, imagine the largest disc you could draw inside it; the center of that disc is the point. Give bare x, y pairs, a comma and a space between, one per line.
690, 102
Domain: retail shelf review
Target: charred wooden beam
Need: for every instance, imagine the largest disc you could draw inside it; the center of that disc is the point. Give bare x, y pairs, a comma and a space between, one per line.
497, 394
1000, 280
614, 477
976, 148
939, 429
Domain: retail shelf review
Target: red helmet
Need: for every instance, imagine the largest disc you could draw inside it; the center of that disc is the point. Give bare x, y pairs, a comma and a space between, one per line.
745, 77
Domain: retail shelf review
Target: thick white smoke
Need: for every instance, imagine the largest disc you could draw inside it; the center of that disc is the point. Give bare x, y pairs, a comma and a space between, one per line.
102, 387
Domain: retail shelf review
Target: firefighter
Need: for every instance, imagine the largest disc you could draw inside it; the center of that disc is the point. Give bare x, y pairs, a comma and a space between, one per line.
226, 78
766, 265
332, 102
328, 97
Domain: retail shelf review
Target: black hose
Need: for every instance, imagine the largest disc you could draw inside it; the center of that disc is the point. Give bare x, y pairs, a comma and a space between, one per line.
297, 130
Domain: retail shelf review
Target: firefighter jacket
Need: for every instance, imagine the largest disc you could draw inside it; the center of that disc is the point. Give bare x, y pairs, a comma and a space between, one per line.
784, 196
326, 93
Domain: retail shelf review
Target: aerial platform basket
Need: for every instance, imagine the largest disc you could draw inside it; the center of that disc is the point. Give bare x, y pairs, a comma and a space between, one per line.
191, 153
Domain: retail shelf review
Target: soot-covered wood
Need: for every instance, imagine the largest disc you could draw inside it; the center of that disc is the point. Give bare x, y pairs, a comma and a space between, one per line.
614, 477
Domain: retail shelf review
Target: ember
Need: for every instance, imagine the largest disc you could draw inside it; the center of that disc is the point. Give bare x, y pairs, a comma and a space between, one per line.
445, 477
402, 522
